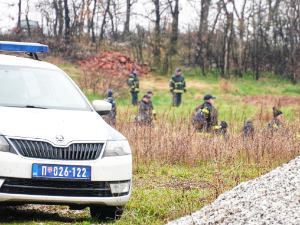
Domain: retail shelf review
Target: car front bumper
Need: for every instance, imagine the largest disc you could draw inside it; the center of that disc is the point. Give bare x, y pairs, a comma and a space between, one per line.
108, 169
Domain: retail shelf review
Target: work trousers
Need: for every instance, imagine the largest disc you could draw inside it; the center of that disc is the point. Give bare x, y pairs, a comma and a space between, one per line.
134, 100
176, 99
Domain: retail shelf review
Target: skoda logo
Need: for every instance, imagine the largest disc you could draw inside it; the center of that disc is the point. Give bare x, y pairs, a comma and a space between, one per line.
59, 138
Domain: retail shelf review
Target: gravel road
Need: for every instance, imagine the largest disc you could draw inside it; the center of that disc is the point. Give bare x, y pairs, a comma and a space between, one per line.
273, 198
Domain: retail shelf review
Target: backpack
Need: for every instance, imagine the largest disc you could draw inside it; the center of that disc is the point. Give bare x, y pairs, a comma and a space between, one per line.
198, 118
128, 82
129, 79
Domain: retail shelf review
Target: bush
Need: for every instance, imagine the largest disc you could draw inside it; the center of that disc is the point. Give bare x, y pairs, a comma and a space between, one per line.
99, 82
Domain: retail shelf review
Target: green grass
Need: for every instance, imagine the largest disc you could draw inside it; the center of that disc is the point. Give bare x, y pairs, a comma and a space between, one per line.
165, 192
160, 193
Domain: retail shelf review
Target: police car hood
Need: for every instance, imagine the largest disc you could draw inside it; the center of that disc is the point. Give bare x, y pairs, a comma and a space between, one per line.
47, 124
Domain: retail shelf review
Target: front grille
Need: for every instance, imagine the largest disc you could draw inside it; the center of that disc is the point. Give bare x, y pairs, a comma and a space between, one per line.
57, 188
44, 150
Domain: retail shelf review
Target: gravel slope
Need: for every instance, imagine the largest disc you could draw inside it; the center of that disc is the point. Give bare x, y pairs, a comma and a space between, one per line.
273, 198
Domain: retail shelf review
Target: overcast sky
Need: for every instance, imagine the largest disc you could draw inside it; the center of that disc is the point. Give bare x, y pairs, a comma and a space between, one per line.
189, 13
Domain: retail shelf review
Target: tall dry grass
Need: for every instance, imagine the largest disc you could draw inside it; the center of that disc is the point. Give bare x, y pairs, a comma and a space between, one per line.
226, 86
224, 163
176, 142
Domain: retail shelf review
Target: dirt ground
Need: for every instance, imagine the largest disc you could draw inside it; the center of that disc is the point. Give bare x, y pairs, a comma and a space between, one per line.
266, 100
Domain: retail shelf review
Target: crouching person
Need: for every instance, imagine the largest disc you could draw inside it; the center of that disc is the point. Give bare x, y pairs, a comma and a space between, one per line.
111, 117
248, 129
277, 122
222, 131
144, 117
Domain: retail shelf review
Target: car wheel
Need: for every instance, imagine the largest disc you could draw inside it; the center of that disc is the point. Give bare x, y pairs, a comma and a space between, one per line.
104, 212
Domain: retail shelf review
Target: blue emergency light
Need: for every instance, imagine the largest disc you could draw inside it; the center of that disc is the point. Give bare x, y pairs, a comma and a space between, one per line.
23, 47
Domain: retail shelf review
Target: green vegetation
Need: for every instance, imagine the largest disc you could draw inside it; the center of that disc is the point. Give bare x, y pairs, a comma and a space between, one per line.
173, 174
160, 194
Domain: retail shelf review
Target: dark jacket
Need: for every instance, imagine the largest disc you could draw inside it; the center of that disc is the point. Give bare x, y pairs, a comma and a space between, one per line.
275, 124
111, 100
133, 83
144, 112
210, 117
248, 129
222, 133
151, 107
177, 84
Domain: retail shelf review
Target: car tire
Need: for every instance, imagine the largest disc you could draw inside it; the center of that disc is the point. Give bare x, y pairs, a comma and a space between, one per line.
104, 212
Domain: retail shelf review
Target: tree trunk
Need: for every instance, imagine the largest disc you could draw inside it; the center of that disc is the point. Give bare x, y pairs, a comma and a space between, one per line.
202, 35
127, 21
19, 17
88, 17
27, 21
157, 38
104, 21
174, 34
241, 29
67, 22
272, 10
92, 22
227, 38
56, 17
82, 18
112, 24
61, 19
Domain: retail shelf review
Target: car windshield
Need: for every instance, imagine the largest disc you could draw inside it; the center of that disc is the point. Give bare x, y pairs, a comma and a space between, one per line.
30, 22
39, 88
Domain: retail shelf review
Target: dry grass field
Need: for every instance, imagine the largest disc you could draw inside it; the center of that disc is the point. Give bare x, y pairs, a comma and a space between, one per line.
176, 171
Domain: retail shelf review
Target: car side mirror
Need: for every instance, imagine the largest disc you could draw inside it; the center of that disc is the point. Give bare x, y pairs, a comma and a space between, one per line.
102, 107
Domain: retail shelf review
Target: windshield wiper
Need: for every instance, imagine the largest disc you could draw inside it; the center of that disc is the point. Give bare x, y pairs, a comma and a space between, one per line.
34, 107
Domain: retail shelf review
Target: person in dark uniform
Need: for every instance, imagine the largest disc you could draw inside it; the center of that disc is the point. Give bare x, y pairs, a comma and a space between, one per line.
151, 107
206, 116
177, 87
276, 123
111, 117
133, 83
144, 118
222, 131
248, 129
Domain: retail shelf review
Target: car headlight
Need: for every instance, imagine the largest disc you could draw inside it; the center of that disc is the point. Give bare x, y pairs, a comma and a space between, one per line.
4, 145
117, 148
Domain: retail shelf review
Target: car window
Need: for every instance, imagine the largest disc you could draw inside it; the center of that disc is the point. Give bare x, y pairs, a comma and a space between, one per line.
32, 24
45, 88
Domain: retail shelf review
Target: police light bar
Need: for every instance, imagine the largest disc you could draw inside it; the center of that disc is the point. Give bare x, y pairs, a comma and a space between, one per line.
23, 47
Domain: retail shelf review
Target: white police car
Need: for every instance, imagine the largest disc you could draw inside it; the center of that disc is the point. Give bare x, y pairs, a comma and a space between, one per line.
54, 147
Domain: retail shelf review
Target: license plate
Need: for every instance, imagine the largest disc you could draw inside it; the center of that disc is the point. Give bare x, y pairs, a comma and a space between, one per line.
59, 171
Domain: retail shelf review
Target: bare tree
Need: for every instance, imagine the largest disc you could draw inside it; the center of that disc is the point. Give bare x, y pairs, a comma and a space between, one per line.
157, 34
104, 20
27, 20
19, 16
92, 22
55, 6
228, 28
202, 34
67, 22
129, 4
241, 29
175, 22
60, 18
